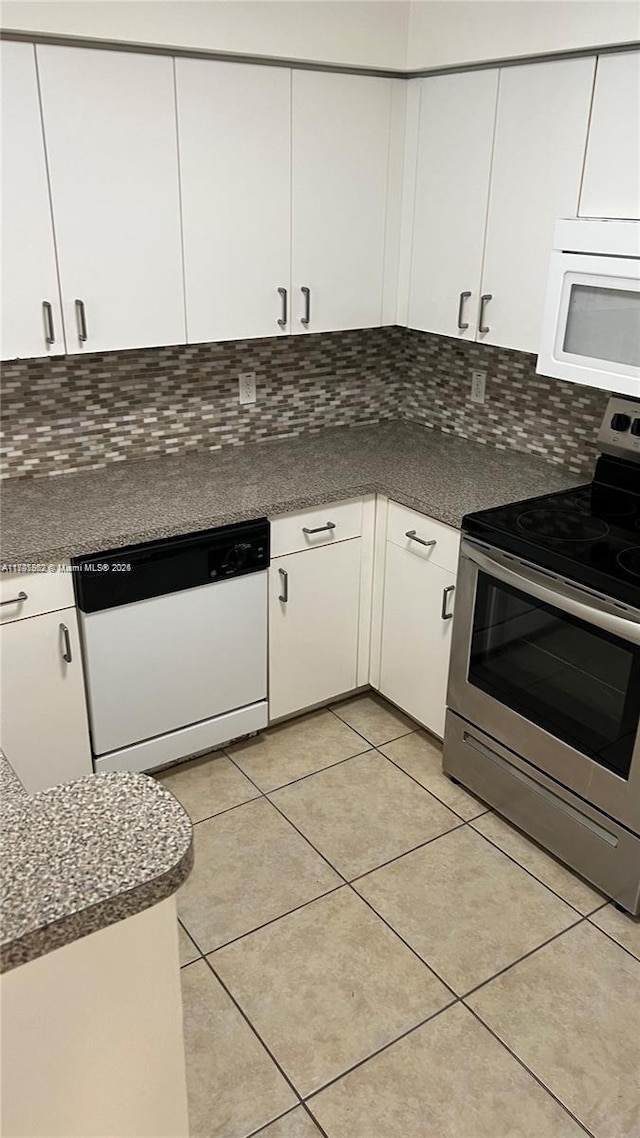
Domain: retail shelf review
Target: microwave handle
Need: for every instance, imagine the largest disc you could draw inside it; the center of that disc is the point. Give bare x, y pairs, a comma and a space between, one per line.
591, 611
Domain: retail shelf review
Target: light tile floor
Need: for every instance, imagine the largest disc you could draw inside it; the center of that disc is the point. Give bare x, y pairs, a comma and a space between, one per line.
368, 952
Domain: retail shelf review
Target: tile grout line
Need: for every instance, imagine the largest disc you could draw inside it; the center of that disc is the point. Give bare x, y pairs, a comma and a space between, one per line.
255, 1031
530, 871
272, 921
380, 1050
525, 956
293, 781
405, 853
531, 1073
487, 809
411, 731
608, 935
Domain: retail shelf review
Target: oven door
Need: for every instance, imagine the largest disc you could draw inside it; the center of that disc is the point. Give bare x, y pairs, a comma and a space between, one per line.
591, 326
553, 673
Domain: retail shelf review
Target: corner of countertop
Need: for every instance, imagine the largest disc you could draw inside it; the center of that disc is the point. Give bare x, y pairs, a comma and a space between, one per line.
84, 855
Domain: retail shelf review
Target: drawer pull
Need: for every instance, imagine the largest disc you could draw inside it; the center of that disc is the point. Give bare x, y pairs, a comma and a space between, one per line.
412, 535
66, 655
445, 594
20, 599
284, 595
319, 529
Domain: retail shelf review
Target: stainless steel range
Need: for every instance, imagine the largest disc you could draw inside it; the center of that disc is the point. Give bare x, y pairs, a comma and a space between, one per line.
543, 718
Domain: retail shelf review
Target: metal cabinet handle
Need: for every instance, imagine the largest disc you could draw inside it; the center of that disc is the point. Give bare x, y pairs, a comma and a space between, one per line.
21, 597
66, 655
412, 535
284, 595
445, 594
484, 299
463, 296
306, 292
283, 319
49, 333
319, 529
81, 319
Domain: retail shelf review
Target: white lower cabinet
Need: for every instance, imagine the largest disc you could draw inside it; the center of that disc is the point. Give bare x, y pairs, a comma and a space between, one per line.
416, 636
44, 730
314, 605
412, 611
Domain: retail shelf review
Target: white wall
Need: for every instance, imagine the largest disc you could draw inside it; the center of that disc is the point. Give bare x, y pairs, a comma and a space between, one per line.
449, 32
368, 33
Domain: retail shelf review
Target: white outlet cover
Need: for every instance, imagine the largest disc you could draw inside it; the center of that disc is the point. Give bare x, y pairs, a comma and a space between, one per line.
247, 387
478, 384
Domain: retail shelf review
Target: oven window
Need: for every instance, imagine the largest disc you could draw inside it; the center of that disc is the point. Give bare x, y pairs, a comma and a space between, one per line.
580, 684
604, 324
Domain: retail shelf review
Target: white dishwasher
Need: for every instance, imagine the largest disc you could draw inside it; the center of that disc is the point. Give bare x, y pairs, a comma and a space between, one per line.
174, 637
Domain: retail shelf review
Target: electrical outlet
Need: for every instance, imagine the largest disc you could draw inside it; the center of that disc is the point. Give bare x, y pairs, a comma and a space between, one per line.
478, 383
247, 387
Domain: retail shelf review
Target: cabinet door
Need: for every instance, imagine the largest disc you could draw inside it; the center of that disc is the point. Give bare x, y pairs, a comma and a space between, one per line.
313, 634
29, 276
234, 127
456, 122
341, 129
611, 186
44, 716
541, 133
110, 134
416, 640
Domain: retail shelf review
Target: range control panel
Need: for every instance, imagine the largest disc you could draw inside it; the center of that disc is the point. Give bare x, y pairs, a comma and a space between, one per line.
620, 430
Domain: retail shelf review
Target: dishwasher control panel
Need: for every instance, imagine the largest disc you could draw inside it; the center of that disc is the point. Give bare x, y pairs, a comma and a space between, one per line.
153, 569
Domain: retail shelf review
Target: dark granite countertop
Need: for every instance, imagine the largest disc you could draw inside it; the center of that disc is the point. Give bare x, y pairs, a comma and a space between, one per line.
441, 475
83, 855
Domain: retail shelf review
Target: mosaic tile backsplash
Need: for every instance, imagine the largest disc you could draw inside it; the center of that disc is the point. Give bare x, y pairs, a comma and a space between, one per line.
83, 412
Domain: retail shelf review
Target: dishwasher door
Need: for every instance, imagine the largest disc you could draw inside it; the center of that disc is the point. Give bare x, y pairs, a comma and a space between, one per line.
158, 665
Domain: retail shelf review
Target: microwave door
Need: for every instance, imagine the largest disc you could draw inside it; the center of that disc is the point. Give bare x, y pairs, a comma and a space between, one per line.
591, 329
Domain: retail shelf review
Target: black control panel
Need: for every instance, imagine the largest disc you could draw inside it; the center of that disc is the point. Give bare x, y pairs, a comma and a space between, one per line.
153, 569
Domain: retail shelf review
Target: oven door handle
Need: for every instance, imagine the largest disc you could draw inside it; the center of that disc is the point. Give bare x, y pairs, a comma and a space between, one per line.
591, 611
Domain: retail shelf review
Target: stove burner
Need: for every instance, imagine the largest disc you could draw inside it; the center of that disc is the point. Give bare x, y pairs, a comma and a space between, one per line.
629, 560
561, 525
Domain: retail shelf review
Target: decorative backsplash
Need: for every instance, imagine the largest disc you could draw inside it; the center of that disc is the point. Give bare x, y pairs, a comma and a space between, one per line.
84, 412
522, 411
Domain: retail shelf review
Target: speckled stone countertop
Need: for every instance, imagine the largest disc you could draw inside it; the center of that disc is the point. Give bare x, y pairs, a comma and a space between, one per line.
81, 856
441, 475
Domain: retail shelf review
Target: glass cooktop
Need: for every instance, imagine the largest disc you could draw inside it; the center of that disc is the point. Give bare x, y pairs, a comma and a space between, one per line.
590, 534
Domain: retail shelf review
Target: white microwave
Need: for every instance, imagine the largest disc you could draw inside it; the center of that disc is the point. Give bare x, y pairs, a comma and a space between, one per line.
591, 325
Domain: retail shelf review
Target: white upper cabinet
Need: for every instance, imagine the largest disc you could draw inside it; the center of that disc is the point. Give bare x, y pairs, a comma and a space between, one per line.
455, 132
110, 134
611, 186
341, 128
540, 139
234, 131
31, 312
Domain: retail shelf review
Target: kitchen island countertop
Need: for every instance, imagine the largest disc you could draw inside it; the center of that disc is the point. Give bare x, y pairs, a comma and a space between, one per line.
441, 475
81, 856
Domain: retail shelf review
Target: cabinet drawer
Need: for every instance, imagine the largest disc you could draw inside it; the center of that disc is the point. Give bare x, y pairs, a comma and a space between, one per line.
29, 594
444, 552
335, 522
